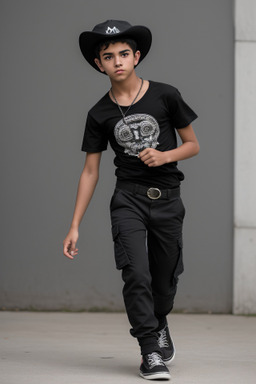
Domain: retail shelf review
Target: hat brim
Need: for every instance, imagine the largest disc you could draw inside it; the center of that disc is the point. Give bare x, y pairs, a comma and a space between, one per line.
89, 40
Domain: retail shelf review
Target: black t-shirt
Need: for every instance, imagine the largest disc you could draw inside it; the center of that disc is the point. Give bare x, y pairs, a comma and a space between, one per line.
150, 122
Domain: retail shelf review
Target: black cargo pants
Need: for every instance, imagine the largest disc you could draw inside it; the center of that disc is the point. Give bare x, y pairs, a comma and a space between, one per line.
147, 236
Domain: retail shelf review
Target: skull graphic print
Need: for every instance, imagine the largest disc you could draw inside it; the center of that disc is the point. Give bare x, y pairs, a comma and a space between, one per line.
137, 132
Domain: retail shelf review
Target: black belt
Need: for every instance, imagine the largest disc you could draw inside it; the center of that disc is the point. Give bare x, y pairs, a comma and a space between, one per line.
151, 192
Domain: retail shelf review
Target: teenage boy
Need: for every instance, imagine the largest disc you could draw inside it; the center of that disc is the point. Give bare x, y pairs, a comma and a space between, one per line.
139, 118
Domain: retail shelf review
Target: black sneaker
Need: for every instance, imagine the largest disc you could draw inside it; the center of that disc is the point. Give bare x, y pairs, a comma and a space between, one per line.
166, 344
153, 367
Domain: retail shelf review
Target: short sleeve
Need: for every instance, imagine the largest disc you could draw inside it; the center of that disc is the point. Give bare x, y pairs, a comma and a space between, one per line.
181, 114
95, 139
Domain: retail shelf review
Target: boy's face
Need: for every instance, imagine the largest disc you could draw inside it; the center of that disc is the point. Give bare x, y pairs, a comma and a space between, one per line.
118, 61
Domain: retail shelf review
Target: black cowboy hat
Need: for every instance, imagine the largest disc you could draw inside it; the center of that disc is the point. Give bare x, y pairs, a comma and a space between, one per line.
111, 30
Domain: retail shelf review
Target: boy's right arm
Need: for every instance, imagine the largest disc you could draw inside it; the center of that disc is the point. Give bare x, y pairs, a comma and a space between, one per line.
86, 187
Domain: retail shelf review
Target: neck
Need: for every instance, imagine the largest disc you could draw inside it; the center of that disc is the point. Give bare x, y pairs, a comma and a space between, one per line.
127, 87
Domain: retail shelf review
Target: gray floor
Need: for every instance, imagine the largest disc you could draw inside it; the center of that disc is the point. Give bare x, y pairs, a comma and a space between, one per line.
74, 348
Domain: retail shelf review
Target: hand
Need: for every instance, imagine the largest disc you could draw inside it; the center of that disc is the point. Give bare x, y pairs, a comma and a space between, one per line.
69, 244
152, 158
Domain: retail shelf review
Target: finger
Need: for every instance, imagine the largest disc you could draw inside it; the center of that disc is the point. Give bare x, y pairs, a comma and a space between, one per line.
146, 157
73, 246
66, 247
142, 153
149, 159
70, 253
67, 254
151, 163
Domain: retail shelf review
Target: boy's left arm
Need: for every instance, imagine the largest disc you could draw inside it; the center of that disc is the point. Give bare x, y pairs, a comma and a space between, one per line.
189, 148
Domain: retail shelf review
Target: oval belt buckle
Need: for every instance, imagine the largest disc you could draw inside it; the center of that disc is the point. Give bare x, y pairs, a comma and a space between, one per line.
154, 193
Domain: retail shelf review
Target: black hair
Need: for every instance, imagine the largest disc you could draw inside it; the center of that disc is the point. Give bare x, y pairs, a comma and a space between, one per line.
104, 44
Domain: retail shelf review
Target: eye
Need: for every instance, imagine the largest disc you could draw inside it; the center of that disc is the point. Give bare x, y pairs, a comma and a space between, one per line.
146, 129
125, 134
107, 57
125, 54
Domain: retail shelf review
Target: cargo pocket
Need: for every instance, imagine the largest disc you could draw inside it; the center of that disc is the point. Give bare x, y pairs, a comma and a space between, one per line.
121, 257
179, 267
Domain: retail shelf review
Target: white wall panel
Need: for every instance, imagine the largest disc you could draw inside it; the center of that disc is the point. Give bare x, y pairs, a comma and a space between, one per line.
245, 16
244, 299
245, 134
244, 271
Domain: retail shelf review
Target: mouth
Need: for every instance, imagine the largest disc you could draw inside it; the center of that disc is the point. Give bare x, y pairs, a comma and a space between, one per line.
119, 71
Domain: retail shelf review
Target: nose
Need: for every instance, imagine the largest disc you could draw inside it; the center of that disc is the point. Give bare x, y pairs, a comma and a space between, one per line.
136, 135
136, 131
118, 62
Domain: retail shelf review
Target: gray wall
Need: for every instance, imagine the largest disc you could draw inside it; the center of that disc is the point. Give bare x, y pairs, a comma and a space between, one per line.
46, 90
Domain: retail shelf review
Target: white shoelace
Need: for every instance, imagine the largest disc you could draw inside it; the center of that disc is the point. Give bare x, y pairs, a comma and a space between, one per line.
162, 340
154, 359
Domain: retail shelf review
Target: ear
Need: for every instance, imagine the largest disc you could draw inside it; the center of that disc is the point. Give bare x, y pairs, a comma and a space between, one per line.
98, 63
136, 57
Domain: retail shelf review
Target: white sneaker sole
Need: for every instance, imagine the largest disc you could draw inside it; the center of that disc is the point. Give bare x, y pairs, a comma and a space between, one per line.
156, 376
169, 361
